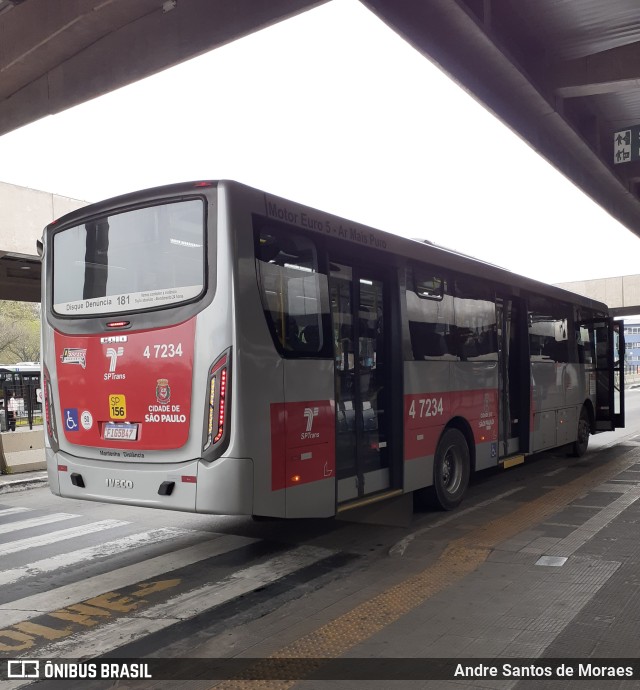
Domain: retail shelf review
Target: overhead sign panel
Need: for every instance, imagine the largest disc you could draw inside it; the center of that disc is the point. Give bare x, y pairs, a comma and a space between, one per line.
626, 145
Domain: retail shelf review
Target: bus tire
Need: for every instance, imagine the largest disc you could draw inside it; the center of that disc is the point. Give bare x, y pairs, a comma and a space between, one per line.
451, 469
580, 445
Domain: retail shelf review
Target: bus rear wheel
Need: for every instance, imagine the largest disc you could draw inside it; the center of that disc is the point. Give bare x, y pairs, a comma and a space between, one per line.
451, 470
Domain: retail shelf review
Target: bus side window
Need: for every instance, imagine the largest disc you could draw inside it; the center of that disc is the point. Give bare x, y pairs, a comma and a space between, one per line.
587, 335
431, 316
292, 291
475, 316
549, 332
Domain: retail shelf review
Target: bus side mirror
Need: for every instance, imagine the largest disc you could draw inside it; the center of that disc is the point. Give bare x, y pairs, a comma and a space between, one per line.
40, 248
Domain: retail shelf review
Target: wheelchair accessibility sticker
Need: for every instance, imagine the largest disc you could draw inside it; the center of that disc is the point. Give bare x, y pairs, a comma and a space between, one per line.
71, 418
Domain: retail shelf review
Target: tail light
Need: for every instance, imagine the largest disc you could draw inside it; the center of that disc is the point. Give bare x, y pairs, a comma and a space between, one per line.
218, 403
49, 410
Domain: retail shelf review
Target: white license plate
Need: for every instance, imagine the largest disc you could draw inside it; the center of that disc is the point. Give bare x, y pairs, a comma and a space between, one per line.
121, 432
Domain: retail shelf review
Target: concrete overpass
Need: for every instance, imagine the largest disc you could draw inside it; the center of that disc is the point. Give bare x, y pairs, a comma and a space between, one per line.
23, 214
621, 293
564, 75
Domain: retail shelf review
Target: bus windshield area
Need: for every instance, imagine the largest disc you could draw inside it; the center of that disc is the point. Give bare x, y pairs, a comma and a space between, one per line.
130, 261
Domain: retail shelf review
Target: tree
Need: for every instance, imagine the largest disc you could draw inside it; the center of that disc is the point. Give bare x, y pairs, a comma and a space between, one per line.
19, 332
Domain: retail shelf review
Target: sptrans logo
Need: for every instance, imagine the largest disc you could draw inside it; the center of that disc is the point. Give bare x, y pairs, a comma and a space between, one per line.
112, 355
310, 413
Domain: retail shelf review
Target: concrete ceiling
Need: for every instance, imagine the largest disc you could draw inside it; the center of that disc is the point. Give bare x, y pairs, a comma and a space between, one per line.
55, 54
563, 74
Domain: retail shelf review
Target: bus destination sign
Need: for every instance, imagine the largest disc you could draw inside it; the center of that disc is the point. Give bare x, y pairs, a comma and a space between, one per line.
626, 145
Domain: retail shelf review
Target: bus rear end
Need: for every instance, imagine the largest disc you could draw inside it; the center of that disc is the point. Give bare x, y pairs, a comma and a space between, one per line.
137, 352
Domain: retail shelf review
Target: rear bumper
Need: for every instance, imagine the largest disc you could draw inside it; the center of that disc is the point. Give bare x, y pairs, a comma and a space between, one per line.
224, 487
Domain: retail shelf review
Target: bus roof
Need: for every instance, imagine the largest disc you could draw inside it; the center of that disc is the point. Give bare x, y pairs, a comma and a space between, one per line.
412, 249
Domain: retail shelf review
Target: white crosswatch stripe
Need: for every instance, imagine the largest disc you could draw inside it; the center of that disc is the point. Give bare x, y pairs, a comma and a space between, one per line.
110, 548
38, 604
35, 522
101, 640
59, 535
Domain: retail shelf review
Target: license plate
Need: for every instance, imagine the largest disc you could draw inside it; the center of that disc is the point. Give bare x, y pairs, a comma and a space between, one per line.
120, 432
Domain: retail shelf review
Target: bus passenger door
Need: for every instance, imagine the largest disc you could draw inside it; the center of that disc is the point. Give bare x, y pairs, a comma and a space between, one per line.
360, 326
514, 376
618, 373
606, 380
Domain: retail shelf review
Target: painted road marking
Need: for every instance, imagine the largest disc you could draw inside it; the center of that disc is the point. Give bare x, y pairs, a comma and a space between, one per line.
38, 604
59, 535
35, 522
55, 625
460, 558
110, 548
94, 642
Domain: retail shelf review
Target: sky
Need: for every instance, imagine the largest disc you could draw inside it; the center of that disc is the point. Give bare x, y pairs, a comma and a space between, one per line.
332, 109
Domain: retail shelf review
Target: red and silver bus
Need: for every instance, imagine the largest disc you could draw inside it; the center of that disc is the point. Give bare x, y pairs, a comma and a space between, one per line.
210, 347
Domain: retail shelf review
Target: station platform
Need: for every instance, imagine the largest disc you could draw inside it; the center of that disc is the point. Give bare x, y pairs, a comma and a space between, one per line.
536, 575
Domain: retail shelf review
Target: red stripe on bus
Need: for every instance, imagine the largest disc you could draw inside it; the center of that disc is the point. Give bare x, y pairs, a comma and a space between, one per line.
426, 415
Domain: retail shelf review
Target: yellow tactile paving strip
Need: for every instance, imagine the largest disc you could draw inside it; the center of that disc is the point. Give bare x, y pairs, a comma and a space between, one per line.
460, 558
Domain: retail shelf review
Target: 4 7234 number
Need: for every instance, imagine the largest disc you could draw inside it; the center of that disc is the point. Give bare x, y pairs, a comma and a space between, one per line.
425, 407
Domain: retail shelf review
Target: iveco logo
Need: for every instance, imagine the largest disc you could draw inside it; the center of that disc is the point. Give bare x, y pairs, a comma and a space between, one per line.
120, 483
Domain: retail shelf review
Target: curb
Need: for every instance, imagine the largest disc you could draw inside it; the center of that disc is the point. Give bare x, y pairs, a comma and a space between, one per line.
22, 484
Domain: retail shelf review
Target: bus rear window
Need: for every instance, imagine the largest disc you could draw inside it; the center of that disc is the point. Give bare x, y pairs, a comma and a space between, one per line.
131, 261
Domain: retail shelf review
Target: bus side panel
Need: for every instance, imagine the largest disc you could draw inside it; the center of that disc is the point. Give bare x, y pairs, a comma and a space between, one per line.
576, 392
478, 380
559, 391
437, 392
421, 381
547, 396
575, 383
309, 425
